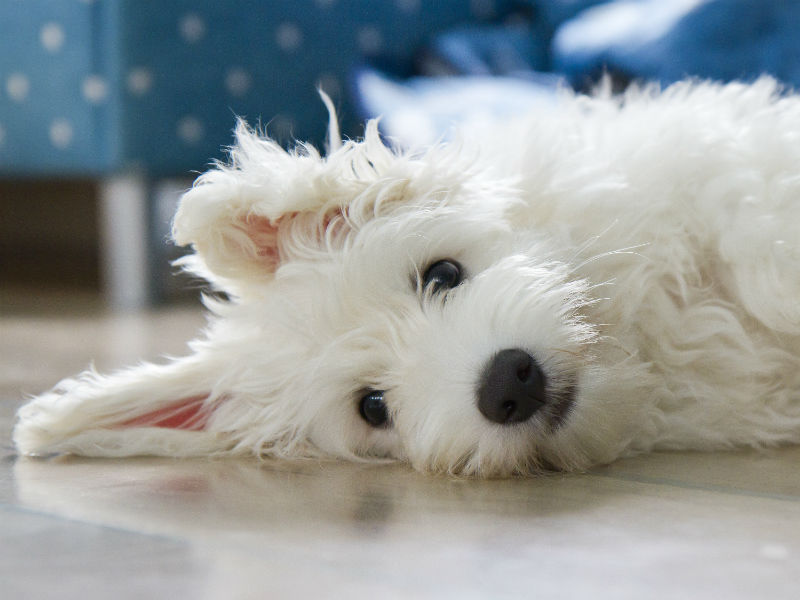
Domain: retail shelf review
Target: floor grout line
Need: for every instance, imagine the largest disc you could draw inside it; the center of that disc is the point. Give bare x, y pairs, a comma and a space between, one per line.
713, 488
33, 512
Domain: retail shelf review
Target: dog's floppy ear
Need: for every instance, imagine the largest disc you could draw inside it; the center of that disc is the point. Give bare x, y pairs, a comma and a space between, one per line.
238, 216
268, 205
149, 409
229, 241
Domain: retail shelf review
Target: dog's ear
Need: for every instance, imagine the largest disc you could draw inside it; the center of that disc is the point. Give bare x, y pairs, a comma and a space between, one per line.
148, 409
244, 218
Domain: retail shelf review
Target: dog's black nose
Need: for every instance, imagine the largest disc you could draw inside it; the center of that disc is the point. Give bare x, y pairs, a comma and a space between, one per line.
512, 388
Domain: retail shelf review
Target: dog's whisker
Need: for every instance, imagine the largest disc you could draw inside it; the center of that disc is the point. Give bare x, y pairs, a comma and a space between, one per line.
584, 247
611, 253
575, 353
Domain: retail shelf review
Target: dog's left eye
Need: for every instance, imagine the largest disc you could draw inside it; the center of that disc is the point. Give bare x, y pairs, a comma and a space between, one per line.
442, 275
372, 409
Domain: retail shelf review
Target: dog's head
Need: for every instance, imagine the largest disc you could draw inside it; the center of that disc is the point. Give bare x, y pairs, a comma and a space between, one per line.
386, 304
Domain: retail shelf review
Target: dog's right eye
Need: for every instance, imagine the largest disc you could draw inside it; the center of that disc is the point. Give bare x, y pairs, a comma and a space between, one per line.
442, 275
372, 409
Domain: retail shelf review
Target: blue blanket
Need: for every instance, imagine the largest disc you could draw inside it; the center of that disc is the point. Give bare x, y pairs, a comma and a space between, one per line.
527, 56
669, 40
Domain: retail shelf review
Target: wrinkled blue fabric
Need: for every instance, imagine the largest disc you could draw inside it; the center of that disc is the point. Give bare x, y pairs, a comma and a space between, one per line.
488, 50
668, 40
578, 41
423, 110
517, 46
553, 13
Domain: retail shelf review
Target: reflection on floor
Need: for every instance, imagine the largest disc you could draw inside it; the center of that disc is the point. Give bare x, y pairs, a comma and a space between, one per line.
676, 525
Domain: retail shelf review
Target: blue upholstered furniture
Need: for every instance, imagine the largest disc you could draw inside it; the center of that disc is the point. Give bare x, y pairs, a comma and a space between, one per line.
129, 91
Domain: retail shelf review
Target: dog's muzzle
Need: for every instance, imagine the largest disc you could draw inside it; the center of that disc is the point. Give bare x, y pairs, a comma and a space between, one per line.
512, 388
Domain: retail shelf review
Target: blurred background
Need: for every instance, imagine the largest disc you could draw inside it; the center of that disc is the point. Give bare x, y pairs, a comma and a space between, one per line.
110, 108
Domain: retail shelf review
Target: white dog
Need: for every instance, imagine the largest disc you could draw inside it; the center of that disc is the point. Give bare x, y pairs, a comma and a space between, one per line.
615, 276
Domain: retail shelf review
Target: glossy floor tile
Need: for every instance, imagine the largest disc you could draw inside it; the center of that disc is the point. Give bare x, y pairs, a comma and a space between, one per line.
677, 525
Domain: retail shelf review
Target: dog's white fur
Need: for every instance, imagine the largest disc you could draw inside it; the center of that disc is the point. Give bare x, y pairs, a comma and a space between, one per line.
644, 249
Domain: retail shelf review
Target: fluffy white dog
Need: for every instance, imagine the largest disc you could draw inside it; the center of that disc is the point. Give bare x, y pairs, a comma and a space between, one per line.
615, 276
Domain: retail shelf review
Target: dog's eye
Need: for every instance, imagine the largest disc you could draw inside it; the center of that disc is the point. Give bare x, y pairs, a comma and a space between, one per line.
442, 275
373, 409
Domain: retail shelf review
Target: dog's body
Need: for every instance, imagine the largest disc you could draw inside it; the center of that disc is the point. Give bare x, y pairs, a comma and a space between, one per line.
617, 276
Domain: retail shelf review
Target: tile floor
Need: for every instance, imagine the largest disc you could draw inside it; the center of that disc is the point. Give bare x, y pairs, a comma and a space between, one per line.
664, 526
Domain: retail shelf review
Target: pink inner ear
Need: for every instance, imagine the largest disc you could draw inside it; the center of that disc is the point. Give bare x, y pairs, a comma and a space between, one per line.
333, 224
188, 414
263, 232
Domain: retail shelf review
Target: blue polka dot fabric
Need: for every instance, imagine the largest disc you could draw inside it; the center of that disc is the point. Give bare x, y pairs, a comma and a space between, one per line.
91, 86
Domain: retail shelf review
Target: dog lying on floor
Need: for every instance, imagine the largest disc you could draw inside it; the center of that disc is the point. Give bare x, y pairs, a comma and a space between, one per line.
619, 275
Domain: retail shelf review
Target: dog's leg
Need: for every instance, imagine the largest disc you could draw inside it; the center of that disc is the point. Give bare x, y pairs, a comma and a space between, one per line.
150, 409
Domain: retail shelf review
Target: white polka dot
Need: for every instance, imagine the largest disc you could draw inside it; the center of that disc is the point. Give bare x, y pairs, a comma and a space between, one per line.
61, 133
774, 552
408, 6
94, 89
192, 28
52, 37
17, 87
370, 40
482, 9
238, 81
330, 84
282, 126
190, 130
288, 37
139, 81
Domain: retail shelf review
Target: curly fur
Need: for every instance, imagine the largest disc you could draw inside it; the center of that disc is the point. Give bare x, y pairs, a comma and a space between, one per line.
645, 249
